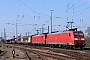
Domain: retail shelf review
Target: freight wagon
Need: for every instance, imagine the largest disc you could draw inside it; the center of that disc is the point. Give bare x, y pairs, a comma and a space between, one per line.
24, 40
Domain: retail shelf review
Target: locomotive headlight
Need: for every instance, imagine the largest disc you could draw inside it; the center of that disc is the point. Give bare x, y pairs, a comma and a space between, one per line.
82, 39
75, 38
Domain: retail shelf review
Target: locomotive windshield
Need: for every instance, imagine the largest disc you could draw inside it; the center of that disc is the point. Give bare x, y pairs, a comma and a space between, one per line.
78, 34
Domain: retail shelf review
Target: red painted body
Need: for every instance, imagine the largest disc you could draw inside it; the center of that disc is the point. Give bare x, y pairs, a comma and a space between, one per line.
71, 38
40, 39
64, 38
60, 38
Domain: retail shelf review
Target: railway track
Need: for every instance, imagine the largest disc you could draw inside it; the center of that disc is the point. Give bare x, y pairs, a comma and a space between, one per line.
46, 53
56, 53
77, 54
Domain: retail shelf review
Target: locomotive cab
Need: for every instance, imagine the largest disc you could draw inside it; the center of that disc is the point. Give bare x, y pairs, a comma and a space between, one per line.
79, 39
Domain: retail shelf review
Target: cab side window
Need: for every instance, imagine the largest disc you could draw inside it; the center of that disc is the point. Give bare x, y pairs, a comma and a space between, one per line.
69, 34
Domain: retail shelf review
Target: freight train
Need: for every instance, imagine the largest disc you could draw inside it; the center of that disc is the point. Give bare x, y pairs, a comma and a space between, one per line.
70, 39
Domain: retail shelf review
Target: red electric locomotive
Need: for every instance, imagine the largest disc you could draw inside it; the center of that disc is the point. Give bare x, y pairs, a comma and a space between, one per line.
70, 39
39, 39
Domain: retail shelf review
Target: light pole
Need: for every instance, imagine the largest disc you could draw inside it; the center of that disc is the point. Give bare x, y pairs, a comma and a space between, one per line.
51, 20
47, 27
42, 28
4, 34
16, 28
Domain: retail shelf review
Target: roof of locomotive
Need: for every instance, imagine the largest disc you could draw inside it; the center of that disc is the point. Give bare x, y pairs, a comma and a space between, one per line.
74, 31
68, 31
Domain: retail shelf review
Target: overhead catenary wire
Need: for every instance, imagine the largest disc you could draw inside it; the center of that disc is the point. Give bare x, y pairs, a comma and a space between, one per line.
9, 6
67, 14
32, 9
12, 10
75, 8
79, 12
53, 5
64, 7
37, 12
74, 12
79, 6
82, 11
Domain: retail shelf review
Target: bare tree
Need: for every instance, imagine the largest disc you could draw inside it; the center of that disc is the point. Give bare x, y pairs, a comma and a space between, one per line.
88, 37
88, 32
